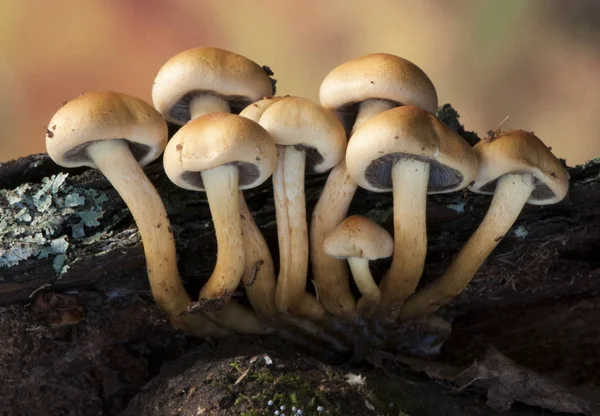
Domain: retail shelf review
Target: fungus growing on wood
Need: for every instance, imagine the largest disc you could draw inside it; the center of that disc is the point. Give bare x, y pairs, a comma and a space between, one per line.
356, 91
409, 151
517, 168
118, 134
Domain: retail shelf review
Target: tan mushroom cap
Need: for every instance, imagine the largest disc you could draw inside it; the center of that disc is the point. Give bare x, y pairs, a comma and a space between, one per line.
299, 122
359, 237
378, 75
233, 77
412, 133
218, 139
519, 151
255, 110
105, 115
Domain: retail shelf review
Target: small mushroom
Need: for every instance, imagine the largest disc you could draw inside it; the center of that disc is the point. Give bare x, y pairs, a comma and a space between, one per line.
118, 134
220, 154
359, 240
305, 134
517, 168
408, 150
205, 80
356, 91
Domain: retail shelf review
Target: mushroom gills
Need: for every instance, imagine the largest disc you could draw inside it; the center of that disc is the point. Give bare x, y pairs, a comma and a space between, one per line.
441, 178
181, 110
81, 152
247, 174
541, 191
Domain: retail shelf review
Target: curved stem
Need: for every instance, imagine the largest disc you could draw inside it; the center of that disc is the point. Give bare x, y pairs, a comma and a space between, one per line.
221, 186
370, 108
208, 103
512, 192
331, 275
290, 212
259, 273
410, 179
366, 285
114, 159
222, 191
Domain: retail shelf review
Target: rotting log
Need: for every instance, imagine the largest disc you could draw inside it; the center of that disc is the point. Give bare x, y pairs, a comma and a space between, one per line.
551, 252
537, 297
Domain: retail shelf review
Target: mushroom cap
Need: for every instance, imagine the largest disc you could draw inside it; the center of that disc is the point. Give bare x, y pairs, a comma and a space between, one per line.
409, 132
218, 139
381, 76
519, 151
299, 122
255, 110
105, 115
193, 72
359, 237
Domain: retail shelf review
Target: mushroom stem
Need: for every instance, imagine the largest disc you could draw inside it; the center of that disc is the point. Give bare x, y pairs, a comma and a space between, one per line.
292, 232
410, 179
221, 185
511, 194
369, 108
208, 103
366, 285
114, 159
259, 275
331, 275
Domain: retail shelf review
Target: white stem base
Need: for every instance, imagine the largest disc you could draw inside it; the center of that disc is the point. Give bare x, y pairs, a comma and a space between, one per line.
512, 192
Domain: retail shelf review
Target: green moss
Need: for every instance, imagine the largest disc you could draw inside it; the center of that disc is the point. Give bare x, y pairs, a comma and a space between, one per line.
42, 219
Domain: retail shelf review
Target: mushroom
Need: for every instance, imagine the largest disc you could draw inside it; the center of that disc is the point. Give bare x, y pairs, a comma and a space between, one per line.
359, 240
356, 91
118, 134
305, 134
408, 150
220, 154
517, 168
205, 80
259, 274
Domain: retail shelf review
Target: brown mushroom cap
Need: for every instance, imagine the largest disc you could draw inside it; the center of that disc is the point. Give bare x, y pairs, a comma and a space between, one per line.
377, 76
105, 115
217, 139
409, 132
519, 151
303, 124
359, 237
193, 72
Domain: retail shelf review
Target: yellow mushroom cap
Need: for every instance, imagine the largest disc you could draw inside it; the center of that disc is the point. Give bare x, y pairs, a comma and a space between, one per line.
409, 132
519, 151
381, 76
105, 115
359, 237
299, 122
218, 139
197, 71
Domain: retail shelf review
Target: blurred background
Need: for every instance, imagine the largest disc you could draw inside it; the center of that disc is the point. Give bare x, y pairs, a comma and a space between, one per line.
537, 61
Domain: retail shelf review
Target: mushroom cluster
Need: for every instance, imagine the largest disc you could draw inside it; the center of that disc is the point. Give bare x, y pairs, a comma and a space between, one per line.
375, 127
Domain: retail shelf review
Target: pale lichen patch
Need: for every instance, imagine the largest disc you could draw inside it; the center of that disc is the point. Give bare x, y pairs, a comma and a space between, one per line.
35, 220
